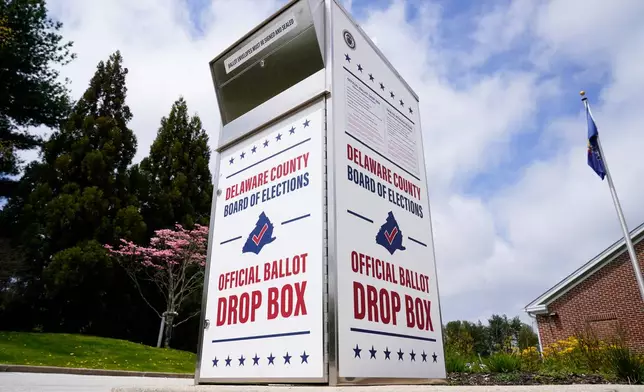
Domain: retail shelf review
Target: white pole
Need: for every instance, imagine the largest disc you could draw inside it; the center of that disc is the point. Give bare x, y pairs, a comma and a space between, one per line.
620, 213
161, 330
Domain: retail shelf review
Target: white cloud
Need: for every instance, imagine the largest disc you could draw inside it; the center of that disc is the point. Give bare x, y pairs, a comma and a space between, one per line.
495, 253
499, 252
499, 30
164, 57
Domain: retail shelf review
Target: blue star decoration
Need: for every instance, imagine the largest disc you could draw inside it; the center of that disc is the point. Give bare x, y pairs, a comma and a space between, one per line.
387, 353
424, 356
261, 235
287, 358
400, 354
253, 149
356, 352
228, 361
271, 359
231, 160
291, 131
411, 111
373, 352
242, 155
390, 236
241, 360
255, 360
371, 77
306, 123
265, 143
382, 87
412, 355
215, 362
402, 103
278, 137
434, 356
347, 58
305, 357
359, 67
392, 94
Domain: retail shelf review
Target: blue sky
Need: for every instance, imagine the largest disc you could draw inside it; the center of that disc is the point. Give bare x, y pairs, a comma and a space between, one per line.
514, 206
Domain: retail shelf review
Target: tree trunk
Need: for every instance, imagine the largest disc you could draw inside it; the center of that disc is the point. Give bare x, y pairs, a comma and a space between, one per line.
169, 320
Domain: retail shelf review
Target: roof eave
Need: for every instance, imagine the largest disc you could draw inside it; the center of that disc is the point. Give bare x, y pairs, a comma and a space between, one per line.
537, 309
578, 276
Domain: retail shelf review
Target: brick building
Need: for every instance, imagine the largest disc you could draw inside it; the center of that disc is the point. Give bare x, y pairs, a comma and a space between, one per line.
601, 297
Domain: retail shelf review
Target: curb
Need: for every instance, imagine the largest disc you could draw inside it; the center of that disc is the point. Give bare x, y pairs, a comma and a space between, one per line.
88, 372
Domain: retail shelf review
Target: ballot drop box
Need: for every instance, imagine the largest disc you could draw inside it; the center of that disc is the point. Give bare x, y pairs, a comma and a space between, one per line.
320, 266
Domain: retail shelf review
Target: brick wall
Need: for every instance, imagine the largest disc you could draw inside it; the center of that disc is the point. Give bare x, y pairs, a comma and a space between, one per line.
607, 301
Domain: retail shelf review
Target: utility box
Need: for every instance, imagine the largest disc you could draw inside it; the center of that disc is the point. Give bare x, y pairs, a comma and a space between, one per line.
320, 265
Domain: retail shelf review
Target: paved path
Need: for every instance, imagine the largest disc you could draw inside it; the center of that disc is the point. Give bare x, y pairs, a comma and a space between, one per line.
424, 388
27, 382
392, 388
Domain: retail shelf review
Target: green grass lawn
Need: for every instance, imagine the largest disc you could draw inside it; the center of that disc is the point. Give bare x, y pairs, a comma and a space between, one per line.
80, 351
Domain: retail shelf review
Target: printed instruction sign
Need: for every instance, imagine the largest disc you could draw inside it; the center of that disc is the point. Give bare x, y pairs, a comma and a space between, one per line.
265, 283
389, 322
267, 37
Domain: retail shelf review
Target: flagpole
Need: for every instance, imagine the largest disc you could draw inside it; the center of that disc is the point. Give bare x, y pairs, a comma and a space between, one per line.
620, 213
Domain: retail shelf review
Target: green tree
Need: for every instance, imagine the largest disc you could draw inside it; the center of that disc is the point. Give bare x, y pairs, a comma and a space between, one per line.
174, 184
467, 337
174, 180
458, 337
31, 93
76, 199
503, 332
479, 333
527, 337
499, 333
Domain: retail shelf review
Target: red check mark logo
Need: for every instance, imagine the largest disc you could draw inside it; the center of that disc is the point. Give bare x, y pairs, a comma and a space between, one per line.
390, 236
258, 238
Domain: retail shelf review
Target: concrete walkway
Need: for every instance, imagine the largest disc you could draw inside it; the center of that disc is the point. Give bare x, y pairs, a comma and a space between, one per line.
56, 382
424, 388
88, 372
47, 382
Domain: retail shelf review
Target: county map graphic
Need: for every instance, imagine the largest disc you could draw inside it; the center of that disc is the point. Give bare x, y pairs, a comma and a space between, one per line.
390, 236
261, 235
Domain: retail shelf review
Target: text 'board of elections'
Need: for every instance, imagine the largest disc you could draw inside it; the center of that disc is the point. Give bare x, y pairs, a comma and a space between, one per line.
265, 286
388, 311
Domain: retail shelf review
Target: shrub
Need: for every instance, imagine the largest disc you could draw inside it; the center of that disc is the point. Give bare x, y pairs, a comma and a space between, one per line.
592, 351
566, 355
626, 365
455, 362
530, 359
476, 367
503, 363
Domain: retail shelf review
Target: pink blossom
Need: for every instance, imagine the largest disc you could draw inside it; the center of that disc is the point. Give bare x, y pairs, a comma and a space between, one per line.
167, 249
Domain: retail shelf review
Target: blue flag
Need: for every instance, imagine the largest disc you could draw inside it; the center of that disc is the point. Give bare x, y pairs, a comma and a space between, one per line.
595, 160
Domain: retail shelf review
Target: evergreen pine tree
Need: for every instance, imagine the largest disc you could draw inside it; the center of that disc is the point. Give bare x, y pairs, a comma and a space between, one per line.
77, 199
30, 92
175, 186
177, 181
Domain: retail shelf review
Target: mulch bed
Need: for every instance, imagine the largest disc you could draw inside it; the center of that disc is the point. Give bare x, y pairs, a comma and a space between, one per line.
523, 379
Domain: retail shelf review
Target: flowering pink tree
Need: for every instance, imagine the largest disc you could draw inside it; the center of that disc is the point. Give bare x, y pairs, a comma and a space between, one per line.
174, 262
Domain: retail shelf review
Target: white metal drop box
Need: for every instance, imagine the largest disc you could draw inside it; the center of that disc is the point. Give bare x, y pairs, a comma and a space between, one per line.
321, 262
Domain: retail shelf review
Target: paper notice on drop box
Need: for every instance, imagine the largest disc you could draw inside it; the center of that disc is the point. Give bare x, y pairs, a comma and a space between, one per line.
401, 141
364, 114
385, 130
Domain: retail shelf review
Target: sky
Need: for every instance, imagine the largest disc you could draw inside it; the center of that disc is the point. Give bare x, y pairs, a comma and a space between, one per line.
515, 207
